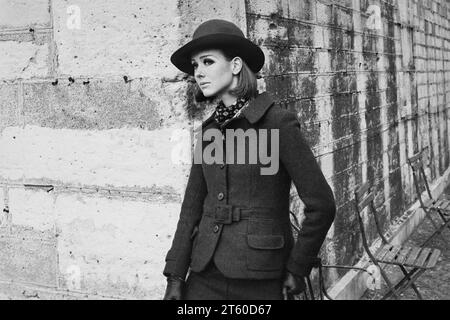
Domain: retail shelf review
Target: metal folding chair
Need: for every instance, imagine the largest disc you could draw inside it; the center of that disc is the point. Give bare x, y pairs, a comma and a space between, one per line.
437, 207
418, 259
309, 294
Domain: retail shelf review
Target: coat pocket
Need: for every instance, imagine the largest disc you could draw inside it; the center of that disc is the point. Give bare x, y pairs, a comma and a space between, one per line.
265, 252
265, 241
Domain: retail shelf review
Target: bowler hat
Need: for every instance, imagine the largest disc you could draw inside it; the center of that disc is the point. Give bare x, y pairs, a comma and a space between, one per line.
217, 33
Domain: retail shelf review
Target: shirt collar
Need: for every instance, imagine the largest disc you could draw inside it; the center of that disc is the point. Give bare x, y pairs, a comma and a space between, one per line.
255, 110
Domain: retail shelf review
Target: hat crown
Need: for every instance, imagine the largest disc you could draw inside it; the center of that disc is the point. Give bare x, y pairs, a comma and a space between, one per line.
217, 26
218, 33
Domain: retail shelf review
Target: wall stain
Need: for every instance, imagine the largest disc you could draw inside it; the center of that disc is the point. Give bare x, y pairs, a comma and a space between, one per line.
345, 122
396, 201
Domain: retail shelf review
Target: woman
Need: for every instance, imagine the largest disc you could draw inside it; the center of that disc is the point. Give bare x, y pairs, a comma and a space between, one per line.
234, 230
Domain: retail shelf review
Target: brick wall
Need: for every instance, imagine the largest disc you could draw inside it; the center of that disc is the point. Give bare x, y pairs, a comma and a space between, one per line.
368, 82
90, 108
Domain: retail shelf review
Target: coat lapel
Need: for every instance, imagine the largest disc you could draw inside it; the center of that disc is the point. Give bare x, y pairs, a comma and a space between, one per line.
258, 107
254, 112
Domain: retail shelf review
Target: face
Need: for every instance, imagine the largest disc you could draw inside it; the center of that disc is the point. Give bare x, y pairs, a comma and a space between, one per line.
213, 73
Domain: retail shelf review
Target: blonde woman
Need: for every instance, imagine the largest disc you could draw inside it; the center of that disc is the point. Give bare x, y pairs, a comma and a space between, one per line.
234, 235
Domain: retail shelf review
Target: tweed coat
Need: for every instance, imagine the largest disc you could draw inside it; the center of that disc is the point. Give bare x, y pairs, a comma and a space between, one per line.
239, 218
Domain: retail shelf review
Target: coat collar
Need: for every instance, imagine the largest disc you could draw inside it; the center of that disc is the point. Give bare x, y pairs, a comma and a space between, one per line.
255, 110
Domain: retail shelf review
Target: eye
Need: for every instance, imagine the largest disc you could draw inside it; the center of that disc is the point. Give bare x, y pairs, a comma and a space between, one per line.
208, 61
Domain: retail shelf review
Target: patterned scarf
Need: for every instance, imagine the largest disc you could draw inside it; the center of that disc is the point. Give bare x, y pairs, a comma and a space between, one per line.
224, 114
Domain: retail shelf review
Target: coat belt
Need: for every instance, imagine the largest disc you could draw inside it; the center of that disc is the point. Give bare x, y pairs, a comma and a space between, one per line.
227, 214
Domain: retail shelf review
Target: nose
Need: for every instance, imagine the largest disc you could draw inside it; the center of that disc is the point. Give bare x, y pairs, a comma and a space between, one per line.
198, 73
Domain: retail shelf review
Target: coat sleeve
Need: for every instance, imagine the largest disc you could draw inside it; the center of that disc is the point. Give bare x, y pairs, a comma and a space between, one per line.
313, 190
178, 257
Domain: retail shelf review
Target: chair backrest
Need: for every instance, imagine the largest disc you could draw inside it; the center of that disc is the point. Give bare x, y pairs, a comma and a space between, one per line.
361, 202
416, 163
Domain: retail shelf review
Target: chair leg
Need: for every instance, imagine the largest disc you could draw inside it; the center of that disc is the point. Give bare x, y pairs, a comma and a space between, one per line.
311, 291
414, 277
413, 285
325, 293
322, 289
403, 284
389, 284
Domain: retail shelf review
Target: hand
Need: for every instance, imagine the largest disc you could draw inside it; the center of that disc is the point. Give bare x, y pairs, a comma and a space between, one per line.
293, 285
174, 288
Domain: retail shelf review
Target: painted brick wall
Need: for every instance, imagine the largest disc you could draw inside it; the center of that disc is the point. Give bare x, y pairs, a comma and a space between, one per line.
91, 111
369, 82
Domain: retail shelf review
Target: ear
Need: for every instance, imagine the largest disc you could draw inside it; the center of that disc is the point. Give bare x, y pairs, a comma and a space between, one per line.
236, 65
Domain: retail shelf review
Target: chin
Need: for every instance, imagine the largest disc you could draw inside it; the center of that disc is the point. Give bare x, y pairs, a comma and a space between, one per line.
208, 93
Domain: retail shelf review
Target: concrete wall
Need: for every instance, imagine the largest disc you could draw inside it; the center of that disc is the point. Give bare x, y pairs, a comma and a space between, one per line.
91, 111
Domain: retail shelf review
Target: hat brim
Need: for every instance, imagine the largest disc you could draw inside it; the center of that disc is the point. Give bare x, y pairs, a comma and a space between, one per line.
247, 50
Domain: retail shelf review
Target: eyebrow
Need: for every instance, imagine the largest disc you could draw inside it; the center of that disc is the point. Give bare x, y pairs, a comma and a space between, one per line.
206, 55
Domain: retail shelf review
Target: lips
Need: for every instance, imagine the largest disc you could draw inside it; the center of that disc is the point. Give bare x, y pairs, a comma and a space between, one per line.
204, 83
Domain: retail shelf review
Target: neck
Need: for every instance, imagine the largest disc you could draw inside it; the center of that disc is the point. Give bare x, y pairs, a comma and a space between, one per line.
228, 99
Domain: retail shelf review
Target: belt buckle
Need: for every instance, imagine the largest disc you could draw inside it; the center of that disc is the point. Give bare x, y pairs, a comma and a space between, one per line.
224, 214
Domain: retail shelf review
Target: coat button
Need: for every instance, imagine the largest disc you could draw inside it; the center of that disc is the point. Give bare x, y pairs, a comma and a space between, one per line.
222, 166
220, 196
216, 228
